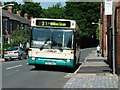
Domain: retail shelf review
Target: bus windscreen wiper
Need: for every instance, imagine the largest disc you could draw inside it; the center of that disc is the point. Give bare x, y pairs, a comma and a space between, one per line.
41, 48
61, 49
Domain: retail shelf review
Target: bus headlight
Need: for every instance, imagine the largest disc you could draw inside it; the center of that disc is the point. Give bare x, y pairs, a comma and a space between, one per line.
33, 58
68, 60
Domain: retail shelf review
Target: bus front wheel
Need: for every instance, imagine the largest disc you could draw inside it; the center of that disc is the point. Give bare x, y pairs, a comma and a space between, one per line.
36, 66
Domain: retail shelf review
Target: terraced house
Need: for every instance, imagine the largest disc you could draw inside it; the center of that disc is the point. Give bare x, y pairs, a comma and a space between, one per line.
12, 22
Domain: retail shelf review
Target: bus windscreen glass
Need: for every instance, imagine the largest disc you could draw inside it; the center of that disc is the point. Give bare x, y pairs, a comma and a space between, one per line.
46, 38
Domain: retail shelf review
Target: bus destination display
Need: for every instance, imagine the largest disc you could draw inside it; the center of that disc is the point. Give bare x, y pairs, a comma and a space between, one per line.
53, 23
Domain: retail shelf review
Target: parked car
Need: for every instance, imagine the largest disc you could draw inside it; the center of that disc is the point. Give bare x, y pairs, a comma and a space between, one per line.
15, 53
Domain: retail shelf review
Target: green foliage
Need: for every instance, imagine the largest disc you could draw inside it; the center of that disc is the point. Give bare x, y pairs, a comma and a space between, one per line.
6, 46
98, 30
33, 9
20, 36
56, 11
84, 13
16, 6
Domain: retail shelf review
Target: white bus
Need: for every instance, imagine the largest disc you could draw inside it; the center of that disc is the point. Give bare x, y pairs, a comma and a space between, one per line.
54, 42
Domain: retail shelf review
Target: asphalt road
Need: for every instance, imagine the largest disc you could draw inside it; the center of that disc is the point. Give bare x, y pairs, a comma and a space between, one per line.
84, 53
18, 74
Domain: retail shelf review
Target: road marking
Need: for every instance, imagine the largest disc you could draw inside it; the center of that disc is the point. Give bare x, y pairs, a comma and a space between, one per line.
78, 69
68, 75
13, 67
85, 59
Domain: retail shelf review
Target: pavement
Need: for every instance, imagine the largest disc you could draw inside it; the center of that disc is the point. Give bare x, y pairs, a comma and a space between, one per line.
1, 59
94, 73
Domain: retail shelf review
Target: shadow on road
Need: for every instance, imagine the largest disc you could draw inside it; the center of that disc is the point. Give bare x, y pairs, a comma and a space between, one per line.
56, 68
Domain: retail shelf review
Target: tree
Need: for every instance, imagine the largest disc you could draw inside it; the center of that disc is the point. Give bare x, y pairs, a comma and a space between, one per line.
56, 11
20, 36
84, 13
33, 9
16, 6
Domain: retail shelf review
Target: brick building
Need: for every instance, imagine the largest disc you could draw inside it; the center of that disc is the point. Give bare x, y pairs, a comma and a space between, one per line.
106, 35
117, 33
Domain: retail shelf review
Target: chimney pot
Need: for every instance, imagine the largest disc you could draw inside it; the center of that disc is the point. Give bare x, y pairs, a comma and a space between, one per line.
9, 9
26, 15
18, 13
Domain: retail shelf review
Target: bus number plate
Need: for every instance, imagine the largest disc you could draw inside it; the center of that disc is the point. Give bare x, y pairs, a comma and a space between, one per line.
50, 63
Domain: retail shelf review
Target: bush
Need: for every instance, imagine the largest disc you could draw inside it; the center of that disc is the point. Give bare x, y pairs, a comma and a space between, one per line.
6, 46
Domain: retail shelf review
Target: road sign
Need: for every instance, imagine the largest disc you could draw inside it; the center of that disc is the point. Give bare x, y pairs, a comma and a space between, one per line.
108, 7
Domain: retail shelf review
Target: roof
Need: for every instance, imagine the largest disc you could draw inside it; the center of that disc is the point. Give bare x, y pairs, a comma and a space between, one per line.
15, 17
10, 15
22, 19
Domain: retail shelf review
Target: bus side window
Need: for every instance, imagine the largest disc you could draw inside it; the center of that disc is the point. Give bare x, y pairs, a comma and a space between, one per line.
78, 41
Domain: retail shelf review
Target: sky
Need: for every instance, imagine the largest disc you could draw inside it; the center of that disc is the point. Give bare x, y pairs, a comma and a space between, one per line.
44, 3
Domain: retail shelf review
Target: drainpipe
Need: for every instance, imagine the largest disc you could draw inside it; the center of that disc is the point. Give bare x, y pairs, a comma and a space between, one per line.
102, 30
113, 38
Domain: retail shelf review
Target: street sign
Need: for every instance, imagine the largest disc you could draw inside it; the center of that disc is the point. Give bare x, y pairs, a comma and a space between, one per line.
108, 7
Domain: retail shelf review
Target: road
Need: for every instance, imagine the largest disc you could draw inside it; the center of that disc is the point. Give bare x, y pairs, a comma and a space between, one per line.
18, 74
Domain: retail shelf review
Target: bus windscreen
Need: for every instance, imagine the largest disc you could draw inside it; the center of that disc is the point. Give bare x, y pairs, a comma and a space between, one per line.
51, 38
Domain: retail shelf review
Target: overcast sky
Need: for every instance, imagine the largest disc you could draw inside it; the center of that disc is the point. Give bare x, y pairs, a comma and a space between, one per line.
43, 3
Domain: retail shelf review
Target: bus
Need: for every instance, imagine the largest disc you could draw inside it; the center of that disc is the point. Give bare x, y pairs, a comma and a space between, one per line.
54, 42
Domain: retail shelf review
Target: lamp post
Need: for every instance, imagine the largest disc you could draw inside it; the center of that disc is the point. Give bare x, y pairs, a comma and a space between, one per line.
1, 26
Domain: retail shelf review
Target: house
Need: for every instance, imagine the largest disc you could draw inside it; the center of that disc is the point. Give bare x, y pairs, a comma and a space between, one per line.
12, 22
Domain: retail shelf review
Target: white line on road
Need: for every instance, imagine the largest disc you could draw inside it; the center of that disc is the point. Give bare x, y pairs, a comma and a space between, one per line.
78, 69
85, 59
13, 67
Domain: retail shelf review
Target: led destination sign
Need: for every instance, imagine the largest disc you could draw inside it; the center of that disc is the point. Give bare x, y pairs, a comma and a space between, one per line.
53, 23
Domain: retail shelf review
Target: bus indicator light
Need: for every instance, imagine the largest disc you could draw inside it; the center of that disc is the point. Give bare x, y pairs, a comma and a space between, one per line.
72, 52
72, 24
30, 50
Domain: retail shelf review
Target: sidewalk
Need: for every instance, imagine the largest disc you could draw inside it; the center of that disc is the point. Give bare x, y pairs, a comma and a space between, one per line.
1, 59
94, 73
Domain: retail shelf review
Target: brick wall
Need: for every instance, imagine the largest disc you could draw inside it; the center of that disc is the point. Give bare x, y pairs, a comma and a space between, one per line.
118, 49
118, 37
103, 31
106, 31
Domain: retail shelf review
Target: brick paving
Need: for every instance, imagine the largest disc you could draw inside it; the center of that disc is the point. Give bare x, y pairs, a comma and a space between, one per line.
92, 74
92, 81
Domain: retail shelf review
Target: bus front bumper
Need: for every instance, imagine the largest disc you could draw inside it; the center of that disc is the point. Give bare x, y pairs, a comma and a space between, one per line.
51, 61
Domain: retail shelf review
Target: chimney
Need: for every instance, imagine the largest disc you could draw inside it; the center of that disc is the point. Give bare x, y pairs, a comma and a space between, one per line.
18, 13
31, 17
9, 9
26, 15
